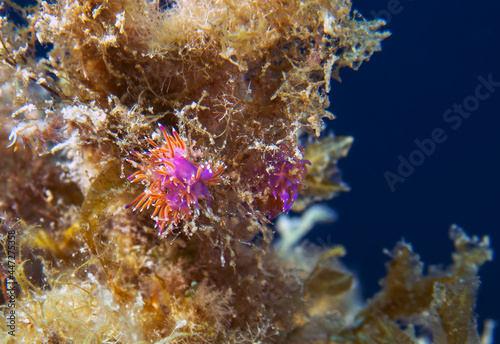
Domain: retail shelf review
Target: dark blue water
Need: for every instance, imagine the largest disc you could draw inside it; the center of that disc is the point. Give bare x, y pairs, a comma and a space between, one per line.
436, 57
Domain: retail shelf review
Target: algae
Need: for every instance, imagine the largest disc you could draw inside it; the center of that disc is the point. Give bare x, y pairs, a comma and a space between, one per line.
245, 85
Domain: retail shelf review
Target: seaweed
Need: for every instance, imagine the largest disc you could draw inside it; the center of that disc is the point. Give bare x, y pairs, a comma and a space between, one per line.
91, 90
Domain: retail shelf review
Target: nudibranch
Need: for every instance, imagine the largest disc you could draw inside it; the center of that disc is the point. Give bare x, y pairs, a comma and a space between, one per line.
35, 134
282, 179
285, 186
174, 182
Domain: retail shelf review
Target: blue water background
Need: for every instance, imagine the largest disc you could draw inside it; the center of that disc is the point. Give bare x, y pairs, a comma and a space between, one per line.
433, 59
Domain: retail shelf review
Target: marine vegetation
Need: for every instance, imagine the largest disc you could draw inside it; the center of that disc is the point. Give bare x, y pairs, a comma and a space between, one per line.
150, 151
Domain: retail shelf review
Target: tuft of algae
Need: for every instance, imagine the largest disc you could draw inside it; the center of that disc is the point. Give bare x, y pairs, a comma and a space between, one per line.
245, 84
